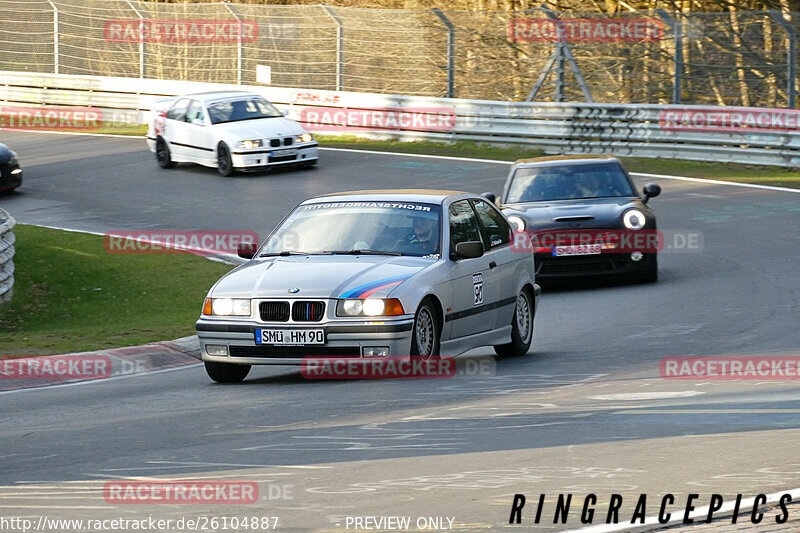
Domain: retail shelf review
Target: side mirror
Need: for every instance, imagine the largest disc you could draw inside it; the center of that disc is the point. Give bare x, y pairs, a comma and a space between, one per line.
651, 190
490, 196
246, 250
469, 249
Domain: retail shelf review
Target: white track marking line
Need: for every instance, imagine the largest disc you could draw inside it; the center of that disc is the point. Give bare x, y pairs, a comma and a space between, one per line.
717, 182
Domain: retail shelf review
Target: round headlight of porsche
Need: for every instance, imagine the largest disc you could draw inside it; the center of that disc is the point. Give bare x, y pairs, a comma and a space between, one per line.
634, 219
517, 222
352, 307
222, 306
373, 307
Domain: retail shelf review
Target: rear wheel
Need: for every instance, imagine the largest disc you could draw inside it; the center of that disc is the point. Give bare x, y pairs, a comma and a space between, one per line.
521, 327
426, 333
226, 372
163, 155
224, 161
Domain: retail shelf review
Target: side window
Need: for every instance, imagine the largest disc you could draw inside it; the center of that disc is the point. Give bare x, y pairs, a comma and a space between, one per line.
463, 225
195, 111
178, 109
496, 228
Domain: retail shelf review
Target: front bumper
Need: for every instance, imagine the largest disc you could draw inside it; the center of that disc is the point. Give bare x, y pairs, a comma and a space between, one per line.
605, 264
8, 180
343, 338
259, 158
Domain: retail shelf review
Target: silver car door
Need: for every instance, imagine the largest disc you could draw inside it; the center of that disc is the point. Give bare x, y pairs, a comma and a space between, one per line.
503, 260
471, 290
175, 129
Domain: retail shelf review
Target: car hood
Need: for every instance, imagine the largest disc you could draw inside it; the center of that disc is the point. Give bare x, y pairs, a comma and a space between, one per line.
261, 128
583, 213
318, 276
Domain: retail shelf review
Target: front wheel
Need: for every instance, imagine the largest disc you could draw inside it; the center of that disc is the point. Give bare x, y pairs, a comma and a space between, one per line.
226, 372
163, 155
426, 332
521, 327
224, 161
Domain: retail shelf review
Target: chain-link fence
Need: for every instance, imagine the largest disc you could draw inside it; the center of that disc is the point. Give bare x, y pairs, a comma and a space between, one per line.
731, 58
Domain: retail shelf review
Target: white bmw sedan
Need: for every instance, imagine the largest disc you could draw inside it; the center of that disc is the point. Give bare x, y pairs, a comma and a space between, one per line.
231, 131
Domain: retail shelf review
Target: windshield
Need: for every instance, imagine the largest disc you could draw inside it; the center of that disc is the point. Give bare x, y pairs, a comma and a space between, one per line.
247, 108
391, 228
565, 182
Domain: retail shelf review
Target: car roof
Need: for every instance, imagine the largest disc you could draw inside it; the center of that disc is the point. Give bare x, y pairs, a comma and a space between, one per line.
382, 195
218, 95
561, 159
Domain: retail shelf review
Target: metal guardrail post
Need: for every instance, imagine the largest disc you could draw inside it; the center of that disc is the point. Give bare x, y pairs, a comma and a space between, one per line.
239, 51
141, 38
791, 58
56, 66
7, 240
677, 60
339, 46
451, 51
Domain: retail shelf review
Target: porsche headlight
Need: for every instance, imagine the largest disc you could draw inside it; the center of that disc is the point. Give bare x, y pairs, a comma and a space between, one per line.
370, 307
305, 138
634, 219
517, 222
255, 143
226, 307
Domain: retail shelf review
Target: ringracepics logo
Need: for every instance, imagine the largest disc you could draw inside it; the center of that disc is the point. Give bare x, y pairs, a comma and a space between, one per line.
176, 492
56, 367
577, 30
51, 118
180, 31
392, 119
735, 119
175, 242
767, 368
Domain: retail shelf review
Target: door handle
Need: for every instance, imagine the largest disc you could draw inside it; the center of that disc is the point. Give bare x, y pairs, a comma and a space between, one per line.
492, 264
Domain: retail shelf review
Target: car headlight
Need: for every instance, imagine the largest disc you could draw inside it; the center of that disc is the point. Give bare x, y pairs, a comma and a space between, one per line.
370, 307
517, 222
255, 143
305, 138
226, 307
634, 219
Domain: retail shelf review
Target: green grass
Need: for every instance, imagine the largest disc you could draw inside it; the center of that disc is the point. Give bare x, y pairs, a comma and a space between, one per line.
70, 295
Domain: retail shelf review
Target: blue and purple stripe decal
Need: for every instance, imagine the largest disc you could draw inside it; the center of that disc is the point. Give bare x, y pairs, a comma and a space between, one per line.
367, 290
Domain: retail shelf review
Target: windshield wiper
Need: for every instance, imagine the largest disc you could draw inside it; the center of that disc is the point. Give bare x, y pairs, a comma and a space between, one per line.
360, 252
283, 253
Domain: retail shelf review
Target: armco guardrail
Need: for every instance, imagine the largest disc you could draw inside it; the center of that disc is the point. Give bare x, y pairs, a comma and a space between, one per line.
7, 240
718, 134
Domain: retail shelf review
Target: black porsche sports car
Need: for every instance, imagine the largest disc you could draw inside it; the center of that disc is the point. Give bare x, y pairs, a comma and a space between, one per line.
10, 171
582, 216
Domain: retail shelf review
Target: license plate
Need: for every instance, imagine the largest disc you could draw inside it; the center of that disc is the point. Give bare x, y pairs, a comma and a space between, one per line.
290, 336
578, 249
282, 153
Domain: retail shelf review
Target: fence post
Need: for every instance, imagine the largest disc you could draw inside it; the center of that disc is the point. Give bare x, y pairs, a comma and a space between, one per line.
56, 66
7, 240
141, 38
239, 52
451, 51
791, 57
339, 46
677, 60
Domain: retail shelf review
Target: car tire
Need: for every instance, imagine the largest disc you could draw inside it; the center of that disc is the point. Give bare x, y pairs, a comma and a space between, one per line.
224, 161
521, 327
426, 331
226, 372
650, 274
163, 155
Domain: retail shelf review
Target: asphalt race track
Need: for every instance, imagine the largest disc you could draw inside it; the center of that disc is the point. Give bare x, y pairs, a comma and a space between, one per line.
585, 412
